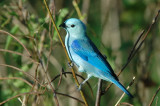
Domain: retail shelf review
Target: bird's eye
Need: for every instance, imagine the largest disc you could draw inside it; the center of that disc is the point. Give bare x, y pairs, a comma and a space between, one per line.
72, 25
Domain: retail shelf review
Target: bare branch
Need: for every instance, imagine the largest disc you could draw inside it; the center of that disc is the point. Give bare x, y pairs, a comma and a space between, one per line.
70, 97
99, 93
2, 31
124, 93
8, 78
73, 72
65, 73
134, 51
126, 104
18, 69
19, 95
154, 97
9, 51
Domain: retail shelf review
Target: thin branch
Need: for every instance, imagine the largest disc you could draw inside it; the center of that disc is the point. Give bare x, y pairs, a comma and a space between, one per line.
77, 9
44, 70
132, 54
70, 97
65, 73
18, 96
134, 51
13, 52
131, 83
2, 31
125, 103
73, 72
52, 5
8, 78
99, 92
43, 65
39, 94
154, 97
18, 69
34, 83
60, 79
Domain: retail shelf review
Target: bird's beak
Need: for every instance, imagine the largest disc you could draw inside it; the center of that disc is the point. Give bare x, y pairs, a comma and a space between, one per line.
63, 25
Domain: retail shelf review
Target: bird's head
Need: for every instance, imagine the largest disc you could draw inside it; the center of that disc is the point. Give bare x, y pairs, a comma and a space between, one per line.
74, 27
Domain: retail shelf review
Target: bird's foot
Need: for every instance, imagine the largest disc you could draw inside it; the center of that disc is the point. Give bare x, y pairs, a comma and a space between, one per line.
80, 87
70, 64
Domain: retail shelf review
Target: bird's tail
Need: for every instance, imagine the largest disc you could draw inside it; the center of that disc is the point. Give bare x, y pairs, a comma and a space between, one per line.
122, 88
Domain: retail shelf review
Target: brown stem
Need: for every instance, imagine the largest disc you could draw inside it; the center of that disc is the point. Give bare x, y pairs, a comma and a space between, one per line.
99, 93
65, 73
134, 51
8, 78
9, 51
18, 69
2, 31
73, 72
18, 96
70, 97
154, 97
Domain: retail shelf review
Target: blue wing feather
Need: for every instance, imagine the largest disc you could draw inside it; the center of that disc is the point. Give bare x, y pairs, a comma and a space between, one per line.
88, 51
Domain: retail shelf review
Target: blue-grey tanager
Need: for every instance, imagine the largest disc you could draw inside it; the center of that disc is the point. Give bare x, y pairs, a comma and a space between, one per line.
85, 55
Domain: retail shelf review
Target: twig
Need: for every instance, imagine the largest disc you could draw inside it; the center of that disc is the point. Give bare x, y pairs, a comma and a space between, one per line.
7, 78
18, 96
76, 80
20, 100
44, 69
52, 5
2, 31
139, 46
77, 9
23, 102
60, 79
18, 69
124, 93
154, 97
134, 51
43, 66
99, 92
70, 97
65, 73
34, 83
9, 51
125, 103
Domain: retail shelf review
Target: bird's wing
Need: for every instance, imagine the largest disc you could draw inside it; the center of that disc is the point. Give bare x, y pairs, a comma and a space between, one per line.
88, 51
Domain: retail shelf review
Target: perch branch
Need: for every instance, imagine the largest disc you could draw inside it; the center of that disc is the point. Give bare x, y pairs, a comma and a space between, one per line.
73, 72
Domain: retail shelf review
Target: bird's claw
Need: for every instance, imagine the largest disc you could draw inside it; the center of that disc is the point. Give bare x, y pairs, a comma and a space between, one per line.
70, 64
79, 88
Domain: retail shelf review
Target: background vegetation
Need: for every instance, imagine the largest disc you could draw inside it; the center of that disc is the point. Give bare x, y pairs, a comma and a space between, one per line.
113, 25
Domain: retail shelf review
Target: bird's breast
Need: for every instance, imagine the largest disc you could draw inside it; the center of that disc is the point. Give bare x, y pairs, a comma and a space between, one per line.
73, 56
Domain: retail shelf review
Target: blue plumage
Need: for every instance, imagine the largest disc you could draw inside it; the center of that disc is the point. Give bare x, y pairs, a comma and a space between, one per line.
85, 54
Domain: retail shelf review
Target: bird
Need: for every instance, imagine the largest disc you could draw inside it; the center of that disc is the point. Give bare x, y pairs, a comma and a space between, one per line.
85, 55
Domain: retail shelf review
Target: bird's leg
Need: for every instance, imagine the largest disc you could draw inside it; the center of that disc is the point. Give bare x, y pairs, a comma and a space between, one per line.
70, 64
80, 85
